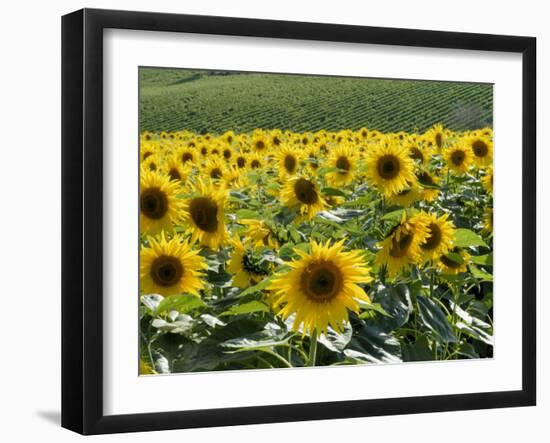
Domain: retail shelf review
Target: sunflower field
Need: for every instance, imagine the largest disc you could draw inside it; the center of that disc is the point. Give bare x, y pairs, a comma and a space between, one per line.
280, 249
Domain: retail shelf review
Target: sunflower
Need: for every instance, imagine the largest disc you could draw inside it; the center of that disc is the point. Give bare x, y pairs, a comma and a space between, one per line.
170, 267
247, 265
303, 194
255, 161
482, 150
152, 162
241, 160
175, 170
215, 169
363, 133
487, 180
228, 137
204, 214
288, 160
235, 178
458, 158
429, 184
259, 233
438, 135
416, 152
159, 205
146, 149
440, 237
344, 160
321, 286
187, 156
260, 142
390, 168
227, 153
401, 248
277, 138
454, 262
406, 197
145, 368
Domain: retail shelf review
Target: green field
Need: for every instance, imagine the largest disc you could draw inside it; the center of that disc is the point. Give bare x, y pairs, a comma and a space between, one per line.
216, 101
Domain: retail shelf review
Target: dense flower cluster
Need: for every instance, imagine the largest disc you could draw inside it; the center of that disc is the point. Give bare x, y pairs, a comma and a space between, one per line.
310, 223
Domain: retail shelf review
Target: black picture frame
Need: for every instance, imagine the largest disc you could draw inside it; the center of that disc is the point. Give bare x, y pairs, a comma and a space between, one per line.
82, 219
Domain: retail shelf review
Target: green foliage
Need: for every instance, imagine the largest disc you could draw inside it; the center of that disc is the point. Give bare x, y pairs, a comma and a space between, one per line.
206, 101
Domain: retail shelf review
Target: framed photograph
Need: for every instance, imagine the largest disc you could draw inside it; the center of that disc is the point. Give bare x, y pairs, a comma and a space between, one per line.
269, 221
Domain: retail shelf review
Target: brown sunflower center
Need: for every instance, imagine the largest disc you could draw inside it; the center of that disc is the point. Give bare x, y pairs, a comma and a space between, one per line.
388, 166
146, 155
416, 154
343, 164
399, 248
260, 145
174, 174
153, 203
152, 166
254, 164
166, 270
204, 213
186, 156
216, 173
204, 151
290, 163
313, 162
480, 148
457, 157
322, 281
425, 178
434, 239
227, 154
305, 191
241, 162
276, 141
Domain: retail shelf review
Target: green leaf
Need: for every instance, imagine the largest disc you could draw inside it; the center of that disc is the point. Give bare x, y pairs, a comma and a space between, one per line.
477, 333
434, 319
183, 303
247, 308
396, 301
263, 339
394, 215
480, 274
212, 321
334, 341
244, 214
181, 325
417, 351
467, 350
373, 346
465, 238
484, 260
369, 307
473, 326
259, 287
333, 192
151, 302
453, 256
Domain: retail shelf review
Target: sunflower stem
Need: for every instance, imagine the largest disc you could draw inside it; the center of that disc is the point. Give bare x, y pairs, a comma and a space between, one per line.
313, 349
